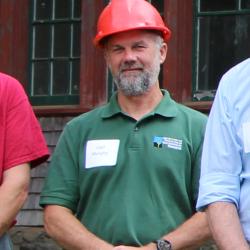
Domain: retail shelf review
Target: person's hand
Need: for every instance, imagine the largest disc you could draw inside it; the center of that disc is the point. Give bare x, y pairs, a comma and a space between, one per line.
150, 246
126, 248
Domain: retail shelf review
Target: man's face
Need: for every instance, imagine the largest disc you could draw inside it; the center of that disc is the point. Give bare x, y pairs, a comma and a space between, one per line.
134, 58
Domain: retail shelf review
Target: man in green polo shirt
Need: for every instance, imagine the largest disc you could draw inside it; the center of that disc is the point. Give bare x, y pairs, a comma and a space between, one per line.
125, 175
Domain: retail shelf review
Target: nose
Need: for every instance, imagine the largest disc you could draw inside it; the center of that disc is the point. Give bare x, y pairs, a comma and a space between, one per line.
129, 56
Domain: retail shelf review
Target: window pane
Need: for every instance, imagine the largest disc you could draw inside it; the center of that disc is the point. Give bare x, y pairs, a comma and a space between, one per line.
61, 77
76, 39
218, 5
159, 5
62, 40
77, 8
41, 76
75, 76
245, 4
224, 41
42, 41
62, 9
43, 9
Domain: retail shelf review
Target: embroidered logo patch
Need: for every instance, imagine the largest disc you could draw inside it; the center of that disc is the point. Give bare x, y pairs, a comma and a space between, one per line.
161, 142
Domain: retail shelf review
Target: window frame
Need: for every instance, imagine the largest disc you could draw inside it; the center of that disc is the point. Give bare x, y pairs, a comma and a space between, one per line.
51, 59
178, 68
198, 14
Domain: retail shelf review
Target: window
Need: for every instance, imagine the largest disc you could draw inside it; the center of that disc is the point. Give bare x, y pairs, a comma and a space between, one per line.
159, 5
55, 52
222, 35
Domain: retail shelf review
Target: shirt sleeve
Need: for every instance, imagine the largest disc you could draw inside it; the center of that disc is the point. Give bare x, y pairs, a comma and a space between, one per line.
61, 185
197, 164
24, 141
221, 159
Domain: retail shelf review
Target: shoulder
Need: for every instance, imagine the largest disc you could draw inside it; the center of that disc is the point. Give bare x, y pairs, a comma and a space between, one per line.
234, 84
239, 70
191, 114
9, 81
12, 94
239, 74
193, 123
88, 119
10, 86
180, 111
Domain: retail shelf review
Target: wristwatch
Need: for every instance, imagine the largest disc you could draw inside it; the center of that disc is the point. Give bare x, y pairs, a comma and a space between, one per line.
163, 244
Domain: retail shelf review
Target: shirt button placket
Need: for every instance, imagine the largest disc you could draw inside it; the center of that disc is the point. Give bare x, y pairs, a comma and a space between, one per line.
136, 139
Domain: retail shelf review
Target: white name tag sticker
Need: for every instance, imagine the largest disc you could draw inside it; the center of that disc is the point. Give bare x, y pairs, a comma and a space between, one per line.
101, 153
246, 136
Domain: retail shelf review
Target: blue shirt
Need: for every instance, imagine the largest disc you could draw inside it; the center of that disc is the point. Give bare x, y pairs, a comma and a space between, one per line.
225, 170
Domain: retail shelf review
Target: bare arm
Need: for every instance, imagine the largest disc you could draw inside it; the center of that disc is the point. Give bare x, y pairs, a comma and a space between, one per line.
225, 226
190, 235
13, 193
62, 226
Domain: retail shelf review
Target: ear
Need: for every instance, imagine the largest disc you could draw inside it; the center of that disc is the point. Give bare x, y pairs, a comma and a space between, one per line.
106, 56
163, 52
105, 53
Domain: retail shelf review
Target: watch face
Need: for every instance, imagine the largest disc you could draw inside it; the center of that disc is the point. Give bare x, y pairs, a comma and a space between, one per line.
163, 245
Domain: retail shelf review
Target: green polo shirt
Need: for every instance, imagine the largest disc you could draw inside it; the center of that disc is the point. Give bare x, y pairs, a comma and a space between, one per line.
129, 182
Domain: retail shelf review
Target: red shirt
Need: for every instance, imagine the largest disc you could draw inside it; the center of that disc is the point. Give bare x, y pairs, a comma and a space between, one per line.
21, 139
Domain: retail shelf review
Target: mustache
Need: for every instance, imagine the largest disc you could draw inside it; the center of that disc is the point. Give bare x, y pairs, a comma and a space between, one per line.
130, 65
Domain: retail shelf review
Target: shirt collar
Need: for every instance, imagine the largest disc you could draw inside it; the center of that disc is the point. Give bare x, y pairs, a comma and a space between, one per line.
166, 107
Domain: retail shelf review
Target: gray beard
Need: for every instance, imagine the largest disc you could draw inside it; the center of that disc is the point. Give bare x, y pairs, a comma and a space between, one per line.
136, 85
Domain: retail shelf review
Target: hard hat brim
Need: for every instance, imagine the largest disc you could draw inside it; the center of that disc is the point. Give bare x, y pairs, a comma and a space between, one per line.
100, 38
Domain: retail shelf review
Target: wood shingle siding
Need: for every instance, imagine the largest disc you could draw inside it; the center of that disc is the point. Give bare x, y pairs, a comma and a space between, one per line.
31, 213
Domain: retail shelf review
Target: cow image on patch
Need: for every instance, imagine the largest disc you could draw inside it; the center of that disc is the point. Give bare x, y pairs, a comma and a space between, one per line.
158, 141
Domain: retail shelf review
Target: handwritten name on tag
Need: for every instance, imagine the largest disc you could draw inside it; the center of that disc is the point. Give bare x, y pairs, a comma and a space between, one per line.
101, 153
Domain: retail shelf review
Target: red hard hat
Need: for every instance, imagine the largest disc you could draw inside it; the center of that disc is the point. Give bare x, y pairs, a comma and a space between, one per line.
125, 15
